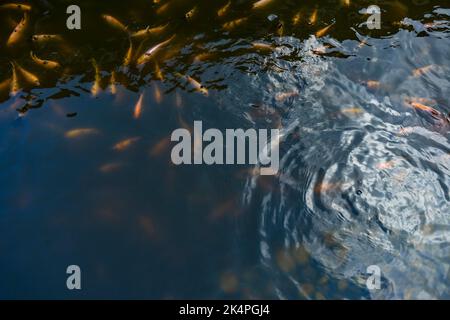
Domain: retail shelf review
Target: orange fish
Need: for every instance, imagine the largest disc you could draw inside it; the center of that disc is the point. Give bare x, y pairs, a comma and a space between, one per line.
19, 31
16, 6
76, 133
160, 147
138, 107
323, 31
149, 31
233, 24
421, 71
386, 165
125, 144
115, 23
296, 19
28, 76
372, 84
222, 11
285, 95
261, 4
47, 64
313, 18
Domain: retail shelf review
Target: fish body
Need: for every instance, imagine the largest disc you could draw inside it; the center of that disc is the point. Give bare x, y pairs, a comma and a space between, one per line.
19, 32
228, 26
115, 23
44, 38
28, 76
138, 107
80, 132
95, 90
16, 6
196, 85
222, 11
125, 144
323, 31
150, 53
261, 4
47, 64
313, 18
149, 31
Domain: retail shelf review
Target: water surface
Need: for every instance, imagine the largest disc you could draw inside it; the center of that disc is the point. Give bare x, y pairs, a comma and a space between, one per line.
364, 175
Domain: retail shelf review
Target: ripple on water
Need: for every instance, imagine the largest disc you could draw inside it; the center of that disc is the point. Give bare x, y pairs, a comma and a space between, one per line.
355, 188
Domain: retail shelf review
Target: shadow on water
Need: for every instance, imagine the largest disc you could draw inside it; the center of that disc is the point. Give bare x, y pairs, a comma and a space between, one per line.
86, 178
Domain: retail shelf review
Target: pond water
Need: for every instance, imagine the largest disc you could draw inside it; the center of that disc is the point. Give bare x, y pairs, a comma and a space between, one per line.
87, 179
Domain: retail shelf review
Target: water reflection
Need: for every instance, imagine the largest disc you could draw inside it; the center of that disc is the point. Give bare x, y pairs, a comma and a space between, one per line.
87, 178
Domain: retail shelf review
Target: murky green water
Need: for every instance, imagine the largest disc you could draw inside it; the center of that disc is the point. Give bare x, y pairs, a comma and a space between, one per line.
86, 176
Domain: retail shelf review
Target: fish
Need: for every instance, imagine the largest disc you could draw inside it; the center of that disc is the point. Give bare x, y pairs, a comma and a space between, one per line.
160, 147
125, 144
296, 18
323, 31
138, 107
157, 94
346, 3
204, 56
178, 100
421, 71
28, 76
80, 132
261, 4
158, 73
313, 18
327, 187
110, 167
386, 165
47, 64
191, 13
425, 101
149, 31
5, 87
223, 10
15, 87
16, 6
45, 38
115, 23
112, 86
280, 29
282, 96
163, 9
96, 85
197, 85
372, 84
229, 283
352, 110
234, 23
262, 46
129, 55
19, 32
422, 107
150, 53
